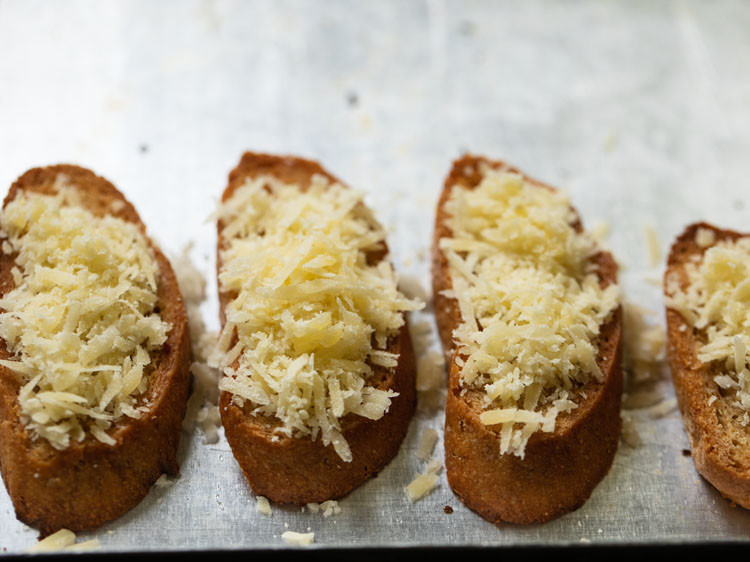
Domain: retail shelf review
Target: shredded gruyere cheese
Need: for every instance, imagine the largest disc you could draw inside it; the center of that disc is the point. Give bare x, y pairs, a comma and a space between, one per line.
531, 304
263, 506
310, 317
425, 483
298, 539
81, 321
716, 301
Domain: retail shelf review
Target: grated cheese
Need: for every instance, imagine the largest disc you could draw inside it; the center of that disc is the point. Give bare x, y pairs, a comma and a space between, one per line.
201, 408
629, 432
425, 483
427, 444
330, 507
531, 305
63, 539
644, 344
298, 539
705, 237
81, 321
654, 250
663, 408
263, 506
310, 317
716, 301
430, 371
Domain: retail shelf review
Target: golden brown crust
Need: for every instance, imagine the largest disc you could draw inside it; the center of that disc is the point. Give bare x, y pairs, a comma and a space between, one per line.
89, 483
718, 442
560, 469
300, 470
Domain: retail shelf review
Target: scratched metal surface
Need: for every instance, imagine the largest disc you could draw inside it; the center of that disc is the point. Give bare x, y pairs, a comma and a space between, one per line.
641, 110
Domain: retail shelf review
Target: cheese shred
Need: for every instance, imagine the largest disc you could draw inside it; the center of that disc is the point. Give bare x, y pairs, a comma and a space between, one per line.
81, 322
716, 301
530, 300
310, 317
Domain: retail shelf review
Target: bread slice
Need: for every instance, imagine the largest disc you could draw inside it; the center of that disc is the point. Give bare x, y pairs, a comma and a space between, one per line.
560, 469
89, 482
300, 470
719, 444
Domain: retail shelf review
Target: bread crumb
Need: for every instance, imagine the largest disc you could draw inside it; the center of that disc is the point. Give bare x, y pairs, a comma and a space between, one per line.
263, 506
427, 444
313, 507
584, 540
298, 539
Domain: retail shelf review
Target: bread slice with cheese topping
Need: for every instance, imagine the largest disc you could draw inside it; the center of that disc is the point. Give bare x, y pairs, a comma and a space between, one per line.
528, 312
94, 352
707, 297
319, 384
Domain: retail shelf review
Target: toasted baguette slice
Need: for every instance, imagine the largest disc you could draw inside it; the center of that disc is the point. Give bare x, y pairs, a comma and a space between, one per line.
300, 470
89, 482
719, 444
560, 469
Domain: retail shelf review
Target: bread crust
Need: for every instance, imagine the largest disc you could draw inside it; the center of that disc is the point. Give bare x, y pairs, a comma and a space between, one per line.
560, 469
718, 444
90, 482
300, 470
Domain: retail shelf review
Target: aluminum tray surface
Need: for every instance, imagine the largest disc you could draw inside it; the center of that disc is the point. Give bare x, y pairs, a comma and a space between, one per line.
640, 110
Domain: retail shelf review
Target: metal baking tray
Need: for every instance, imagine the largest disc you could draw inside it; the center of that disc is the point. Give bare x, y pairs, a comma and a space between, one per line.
639, 109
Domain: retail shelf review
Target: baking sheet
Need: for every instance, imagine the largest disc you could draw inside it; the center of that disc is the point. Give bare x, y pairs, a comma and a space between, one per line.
641, 110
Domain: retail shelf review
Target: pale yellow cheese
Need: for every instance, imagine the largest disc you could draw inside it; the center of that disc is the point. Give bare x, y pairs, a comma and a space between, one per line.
310, 317
531, 306
80, 323
716, 301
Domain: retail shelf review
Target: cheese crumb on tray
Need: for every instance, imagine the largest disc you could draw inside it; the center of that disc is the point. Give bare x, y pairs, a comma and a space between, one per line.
298, 539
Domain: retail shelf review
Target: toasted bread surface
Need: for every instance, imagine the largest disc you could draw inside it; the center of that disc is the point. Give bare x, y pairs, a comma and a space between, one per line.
719, 444
90, 482
560, 469
300, 470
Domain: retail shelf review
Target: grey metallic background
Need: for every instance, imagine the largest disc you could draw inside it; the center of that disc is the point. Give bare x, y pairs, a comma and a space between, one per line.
640, 110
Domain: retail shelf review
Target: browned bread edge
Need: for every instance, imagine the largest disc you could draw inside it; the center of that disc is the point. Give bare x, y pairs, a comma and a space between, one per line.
693, 382
300, 470
560, 469
89, 483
